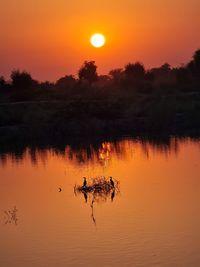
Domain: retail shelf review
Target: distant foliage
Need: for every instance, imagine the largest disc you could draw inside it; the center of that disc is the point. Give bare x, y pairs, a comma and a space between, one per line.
132, 76
126, 100
22, 80
134, 71
88, 72
2, 82
66, 82
116, 74
194, 65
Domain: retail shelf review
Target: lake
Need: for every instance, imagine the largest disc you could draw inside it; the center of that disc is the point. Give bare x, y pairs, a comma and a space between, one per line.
152, 219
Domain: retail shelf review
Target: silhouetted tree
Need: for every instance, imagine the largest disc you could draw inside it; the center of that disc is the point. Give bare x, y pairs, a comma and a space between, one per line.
134, 71
194, 65
103, 78
165, 67
2, 82
88, 72
163, 75
22, 80
149, 76
46, 85
24, 86
161, 71
196, 59
66, 82
116, 75
103, 81
182, 75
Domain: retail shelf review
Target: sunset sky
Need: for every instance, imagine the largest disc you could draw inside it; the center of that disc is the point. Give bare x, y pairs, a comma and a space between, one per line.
51, 38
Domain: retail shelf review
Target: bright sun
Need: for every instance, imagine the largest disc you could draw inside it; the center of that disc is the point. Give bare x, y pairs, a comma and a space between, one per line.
98, 40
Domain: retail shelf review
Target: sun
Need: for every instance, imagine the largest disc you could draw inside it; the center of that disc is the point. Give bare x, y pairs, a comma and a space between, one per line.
97, 40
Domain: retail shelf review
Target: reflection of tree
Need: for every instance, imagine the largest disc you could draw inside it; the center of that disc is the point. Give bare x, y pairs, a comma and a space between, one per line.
10, 216
92, 213
99, 153
98, 190
163, 146
82, 152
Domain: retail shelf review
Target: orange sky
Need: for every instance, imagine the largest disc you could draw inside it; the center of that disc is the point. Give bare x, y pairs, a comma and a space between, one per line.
51, 38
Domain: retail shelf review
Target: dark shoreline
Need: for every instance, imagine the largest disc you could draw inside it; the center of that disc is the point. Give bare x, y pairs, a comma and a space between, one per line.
133, 101
23, 138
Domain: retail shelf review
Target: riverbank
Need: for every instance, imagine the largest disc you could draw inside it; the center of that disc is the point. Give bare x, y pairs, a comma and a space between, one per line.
138, 115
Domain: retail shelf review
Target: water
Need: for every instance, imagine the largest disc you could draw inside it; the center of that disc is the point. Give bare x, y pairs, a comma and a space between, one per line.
153, 221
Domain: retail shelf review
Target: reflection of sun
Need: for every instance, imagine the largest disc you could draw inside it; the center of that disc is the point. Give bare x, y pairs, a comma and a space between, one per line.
104, 153
97, 40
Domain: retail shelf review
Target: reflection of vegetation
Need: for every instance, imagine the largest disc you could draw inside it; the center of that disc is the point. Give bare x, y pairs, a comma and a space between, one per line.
10, 216
95, 151
98, 189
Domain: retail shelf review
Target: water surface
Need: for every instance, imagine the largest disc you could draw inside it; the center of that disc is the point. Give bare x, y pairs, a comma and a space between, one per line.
153, 221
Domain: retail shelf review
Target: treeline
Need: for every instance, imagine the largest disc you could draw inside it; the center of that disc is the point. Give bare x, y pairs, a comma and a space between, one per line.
133, 78
126, 101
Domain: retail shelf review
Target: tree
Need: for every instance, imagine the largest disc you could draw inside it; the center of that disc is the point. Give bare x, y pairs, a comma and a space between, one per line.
2, 82
88, 72
46, 85
149, 76
134, 71
22, 80
165, 67
196, 58
116, 74
162, 75
66, 82
194, 65
182, 75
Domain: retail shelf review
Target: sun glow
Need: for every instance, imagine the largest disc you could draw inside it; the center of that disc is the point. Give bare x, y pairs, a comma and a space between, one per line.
98, 40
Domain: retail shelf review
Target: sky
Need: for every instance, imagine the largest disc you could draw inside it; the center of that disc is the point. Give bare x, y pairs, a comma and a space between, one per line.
51, 38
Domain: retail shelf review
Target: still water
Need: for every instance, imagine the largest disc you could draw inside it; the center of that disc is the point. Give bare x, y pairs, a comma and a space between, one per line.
153, 220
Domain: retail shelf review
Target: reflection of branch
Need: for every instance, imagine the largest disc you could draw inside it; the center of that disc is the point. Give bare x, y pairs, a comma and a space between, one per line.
85, 196
11, 216
92, 214
75, 190
112, 195
100, 189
